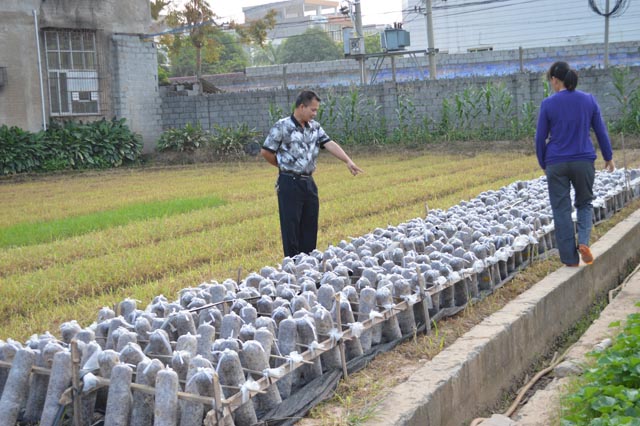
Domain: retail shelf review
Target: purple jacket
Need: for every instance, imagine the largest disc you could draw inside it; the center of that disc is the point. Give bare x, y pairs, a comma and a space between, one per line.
563, 129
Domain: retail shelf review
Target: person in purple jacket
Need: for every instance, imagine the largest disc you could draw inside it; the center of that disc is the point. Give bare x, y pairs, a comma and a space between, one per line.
566, 154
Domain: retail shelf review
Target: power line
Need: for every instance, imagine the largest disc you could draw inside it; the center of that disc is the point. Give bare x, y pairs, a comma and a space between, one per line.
470, 4
502, 6
618, 9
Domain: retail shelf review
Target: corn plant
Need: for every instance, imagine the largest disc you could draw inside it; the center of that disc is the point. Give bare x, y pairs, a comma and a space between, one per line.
275, 112
357, 119
405, 116
546, 88
328, 112
627, 93
525, 125
503, 109
348, 113
374, 124
472, 105
444, 125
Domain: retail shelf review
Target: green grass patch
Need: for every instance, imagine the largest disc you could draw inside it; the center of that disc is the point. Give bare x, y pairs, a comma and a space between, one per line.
26, 234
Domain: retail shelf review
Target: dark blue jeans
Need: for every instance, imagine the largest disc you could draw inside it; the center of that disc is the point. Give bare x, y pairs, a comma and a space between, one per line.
299, 208
560, 178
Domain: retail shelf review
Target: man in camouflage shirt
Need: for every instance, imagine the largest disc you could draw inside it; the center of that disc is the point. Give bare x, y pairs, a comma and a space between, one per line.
292, 146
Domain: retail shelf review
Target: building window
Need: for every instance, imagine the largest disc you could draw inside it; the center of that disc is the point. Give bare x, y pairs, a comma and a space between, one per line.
72, 68
480, 49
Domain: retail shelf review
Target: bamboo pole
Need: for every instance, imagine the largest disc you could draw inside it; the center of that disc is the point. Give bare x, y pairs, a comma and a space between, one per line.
425, 310
75, 384
217, 398
34, 369
343, 356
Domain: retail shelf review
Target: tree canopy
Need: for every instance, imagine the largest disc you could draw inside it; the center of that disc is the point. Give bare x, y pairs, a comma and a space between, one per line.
312, 46
157, 6
205, 44
230, 57
372, 43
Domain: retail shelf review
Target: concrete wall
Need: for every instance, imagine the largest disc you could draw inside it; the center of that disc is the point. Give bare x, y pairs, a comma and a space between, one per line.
135, 93
127, 65
347, 71
113, 16
20, 101
229, 109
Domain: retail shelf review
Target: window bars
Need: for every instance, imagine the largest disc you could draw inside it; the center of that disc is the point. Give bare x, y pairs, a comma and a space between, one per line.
75, 77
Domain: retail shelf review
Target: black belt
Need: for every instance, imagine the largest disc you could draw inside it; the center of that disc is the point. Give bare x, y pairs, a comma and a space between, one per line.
296, 175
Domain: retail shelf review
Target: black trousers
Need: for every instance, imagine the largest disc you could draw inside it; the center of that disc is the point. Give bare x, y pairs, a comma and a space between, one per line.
299, 207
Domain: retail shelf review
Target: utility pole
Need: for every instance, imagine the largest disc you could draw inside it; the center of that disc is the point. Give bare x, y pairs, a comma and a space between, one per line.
606, 35
431, 51
360, 35
618, 9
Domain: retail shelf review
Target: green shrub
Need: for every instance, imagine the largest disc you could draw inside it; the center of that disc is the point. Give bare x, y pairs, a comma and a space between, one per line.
222, 142
609, 391
231, 141
68, 145
163, 76
20, 151
187, 139
97, 144
114, 144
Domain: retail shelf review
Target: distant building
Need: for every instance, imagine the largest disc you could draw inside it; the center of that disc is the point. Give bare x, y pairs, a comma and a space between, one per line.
94, 63
294, 17
461, 26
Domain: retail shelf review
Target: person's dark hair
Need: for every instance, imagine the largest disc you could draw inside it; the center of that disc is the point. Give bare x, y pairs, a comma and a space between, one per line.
563, 72
305, 97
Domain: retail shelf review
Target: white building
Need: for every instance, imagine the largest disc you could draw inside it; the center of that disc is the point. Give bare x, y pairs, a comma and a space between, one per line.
294, 17
471, 25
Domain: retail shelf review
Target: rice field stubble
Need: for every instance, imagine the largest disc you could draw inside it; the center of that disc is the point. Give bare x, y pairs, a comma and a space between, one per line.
43, 285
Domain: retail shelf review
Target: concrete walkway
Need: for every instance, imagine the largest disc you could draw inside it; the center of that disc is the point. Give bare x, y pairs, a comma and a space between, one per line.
462, 381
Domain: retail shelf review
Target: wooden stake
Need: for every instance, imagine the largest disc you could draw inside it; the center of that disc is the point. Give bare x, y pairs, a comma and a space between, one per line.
343, 356
425, 311
304, 361
75, 383
217, 398
35, 369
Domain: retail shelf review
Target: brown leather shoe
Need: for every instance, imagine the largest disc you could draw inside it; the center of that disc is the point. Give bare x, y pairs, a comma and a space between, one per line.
585, 254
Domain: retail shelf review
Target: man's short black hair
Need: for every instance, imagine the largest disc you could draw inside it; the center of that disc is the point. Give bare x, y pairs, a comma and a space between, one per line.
305, 97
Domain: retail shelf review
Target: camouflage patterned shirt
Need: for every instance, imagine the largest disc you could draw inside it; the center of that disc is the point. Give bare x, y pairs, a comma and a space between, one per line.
296, 148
